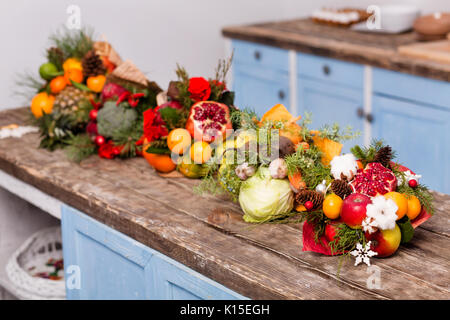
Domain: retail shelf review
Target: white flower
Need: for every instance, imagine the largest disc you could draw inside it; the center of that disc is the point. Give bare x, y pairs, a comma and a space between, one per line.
408, 176
345, 165
383, 212
363, 254
369, 225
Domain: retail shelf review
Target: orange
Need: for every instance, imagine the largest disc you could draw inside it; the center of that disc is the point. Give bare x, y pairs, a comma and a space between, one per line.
74, 75
42, 102
332, 206
200, 152
360, 165
414, 207
400, 200
179, 140
72, 63
96, 83
58, 84
161, 162
302, 146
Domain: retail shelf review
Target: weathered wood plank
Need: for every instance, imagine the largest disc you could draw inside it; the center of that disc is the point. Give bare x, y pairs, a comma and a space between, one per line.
208, 234
371, 49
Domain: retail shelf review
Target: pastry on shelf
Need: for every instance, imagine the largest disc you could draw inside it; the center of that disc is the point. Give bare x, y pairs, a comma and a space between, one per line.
339, 17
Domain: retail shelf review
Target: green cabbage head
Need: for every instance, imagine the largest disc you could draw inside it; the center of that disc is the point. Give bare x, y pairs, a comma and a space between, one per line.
112, 118
263, 198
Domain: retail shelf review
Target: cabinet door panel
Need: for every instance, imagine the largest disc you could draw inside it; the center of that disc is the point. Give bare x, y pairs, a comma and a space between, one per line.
330, 103
114, 266
260, 89
420, 135
172, 280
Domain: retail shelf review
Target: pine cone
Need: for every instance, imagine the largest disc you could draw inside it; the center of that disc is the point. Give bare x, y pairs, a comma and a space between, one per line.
341, 188
384, 156
309, 195
92, 65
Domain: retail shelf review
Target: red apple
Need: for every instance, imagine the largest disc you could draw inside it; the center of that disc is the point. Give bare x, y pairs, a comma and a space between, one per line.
331, 230
354, 209
385, 242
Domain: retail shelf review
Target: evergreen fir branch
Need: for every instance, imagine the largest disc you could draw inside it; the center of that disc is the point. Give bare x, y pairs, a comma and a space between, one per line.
127, 138
245, 119
80, 147
367, 154
73, 43
335, 133
305, 132
27, 84
346, 239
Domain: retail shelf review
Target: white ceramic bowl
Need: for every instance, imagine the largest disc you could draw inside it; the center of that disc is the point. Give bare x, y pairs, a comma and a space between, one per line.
398, 18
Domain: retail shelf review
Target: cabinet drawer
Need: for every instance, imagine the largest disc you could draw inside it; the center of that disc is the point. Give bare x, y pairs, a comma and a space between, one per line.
330, 70
427, 91
260, 55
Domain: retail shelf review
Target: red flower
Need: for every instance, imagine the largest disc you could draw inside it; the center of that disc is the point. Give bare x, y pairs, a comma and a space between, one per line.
199, 88
106, 150
153, 128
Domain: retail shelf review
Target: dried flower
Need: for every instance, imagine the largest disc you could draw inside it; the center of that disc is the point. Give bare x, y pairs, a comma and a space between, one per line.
344, 165
383, 212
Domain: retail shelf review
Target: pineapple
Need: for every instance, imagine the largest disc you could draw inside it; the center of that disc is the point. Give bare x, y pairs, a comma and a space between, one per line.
69, 100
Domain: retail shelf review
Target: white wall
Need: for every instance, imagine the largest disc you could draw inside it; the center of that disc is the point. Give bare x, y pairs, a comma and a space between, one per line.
155, 34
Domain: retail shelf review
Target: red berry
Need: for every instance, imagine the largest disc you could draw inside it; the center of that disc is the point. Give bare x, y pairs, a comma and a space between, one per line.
116, 151
93, 114
99, 140
412, 183
309, 205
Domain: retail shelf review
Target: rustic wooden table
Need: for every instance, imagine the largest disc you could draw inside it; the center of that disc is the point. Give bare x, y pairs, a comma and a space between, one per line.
303, 35
208, 234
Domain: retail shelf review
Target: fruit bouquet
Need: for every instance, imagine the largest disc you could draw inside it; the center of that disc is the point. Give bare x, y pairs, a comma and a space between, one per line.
89, 100
194, 113
360, 203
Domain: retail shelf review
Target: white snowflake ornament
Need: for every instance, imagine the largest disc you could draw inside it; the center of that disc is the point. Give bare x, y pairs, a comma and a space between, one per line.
383, 212
363, 254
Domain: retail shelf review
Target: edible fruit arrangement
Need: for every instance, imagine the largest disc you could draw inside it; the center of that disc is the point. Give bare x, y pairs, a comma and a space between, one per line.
90, 101
193, 115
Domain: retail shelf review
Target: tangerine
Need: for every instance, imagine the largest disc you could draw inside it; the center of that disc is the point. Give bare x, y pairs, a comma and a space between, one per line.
332, 206
97, 83
200, 152
74, 75
179, 140
72, 63
42, 102
414, 207
161, 162
58, 84
400, 200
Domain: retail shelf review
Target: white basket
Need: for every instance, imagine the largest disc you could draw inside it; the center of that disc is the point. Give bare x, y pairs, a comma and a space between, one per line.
36, 251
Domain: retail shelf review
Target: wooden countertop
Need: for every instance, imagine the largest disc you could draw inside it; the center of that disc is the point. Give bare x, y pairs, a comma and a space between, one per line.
378, 50
208, 234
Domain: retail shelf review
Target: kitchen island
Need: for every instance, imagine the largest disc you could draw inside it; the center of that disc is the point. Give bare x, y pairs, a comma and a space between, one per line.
135, 234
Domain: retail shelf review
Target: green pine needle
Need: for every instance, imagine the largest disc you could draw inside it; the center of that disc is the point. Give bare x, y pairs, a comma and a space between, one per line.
73, 43
80, 147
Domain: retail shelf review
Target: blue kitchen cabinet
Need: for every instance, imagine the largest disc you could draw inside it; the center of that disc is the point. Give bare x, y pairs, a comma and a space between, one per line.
420, 135
111, 265
332, 91
329, 103
260, 69
412, 114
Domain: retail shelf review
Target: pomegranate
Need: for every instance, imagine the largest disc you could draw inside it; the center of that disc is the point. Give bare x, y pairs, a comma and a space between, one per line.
112, 91
208, 120
374, 180
354, 209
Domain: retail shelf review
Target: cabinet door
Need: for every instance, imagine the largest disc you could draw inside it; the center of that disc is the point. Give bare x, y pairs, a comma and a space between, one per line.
420, 134
259, 88
111, 265
330, 103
